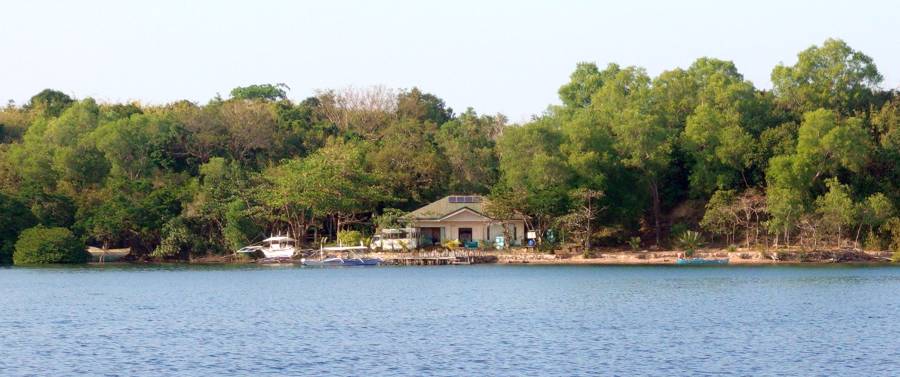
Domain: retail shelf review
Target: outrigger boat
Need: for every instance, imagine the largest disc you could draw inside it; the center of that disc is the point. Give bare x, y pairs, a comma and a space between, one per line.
352, 260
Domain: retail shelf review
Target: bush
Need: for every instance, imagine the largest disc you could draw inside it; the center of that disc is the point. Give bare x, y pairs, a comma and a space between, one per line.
40, 245
14, 217
175, 238
893, 227
587, 254
873, 242
547, 246
349, 237
677, 230
690, 241
239, 228
634, 243
6, 252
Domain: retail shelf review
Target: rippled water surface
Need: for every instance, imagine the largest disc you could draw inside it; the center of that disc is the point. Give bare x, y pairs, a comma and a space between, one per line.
450, 321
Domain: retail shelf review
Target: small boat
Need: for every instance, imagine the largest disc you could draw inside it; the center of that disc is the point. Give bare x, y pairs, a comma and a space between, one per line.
275, 247
700, 261
338, 261
352, 260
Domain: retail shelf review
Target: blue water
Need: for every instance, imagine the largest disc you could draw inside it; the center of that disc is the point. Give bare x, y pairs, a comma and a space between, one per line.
450, 321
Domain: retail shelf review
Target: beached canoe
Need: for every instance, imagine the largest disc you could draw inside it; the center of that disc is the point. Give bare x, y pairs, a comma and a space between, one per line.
700, 261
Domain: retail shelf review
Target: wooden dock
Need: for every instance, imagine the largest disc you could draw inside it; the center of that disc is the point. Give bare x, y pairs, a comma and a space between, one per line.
441, 258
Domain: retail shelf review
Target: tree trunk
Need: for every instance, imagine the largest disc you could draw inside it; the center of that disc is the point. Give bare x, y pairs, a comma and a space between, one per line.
654, 192
839, 237
587, 239
787, 236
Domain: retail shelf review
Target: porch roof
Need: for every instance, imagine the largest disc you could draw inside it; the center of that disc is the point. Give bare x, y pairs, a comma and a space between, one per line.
446, 207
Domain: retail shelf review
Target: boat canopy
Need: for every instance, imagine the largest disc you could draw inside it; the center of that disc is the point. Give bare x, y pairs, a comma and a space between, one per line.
345, 248
398, 231
278, 239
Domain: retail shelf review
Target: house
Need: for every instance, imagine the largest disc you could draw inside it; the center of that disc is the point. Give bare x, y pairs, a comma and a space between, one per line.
462, 218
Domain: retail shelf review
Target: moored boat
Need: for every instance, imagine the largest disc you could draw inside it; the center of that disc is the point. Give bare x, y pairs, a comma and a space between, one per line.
279, 247
351, 260
338, 261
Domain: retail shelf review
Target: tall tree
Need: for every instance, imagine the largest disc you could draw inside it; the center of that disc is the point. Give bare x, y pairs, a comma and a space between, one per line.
251, 127
467, 144
642, 140
836, 208
334, 182
49, 103
832, 76
416, 105
410, 164
535, 180
264, 92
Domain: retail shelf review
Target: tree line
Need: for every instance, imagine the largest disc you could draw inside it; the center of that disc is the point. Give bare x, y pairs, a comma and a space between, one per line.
813, 161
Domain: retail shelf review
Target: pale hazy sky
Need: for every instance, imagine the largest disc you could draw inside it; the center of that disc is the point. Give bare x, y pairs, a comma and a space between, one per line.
496, 56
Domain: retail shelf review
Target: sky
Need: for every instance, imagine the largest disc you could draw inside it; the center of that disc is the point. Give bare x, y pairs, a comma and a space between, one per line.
506, 57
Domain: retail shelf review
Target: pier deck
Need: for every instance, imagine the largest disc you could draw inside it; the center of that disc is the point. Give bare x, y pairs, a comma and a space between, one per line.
440, 258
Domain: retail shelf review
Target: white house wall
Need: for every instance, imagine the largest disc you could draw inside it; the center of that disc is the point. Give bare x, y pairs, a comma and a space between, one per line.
479, 228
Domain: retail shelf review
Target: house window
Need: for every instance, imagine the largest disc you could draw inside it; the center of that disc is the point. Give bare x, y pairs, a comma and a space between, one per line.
515, 233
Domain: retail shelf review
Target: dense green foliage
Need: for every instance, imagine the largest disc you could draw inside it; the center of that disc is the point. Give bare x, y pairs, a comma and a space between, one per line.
15, 218
41, 245
624, 155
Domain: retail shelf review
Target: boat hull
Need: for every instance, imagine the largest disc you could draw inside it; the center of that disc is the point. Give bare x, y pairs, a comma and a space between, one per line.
700, 262
279, 253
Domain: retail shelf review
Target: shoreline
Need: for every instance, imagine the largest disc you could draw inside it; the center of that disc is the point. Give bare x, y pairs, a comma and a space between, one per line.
599, 258
663, 258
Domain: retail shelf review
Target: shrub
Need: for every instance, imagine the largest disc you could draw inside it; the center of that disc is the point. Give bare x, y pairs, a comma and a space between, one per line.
731, 248
176, 237
14, 217
690, 241
634, 243
6, 252
893, 227
677, 230
389, 218
587, 254
547, 246
40, 245
239, 228
872, 242
349, 237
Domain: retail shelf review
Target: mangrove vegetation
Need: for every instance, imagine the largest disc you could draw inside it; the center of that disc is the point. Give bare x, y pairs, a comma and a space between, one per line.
624, 159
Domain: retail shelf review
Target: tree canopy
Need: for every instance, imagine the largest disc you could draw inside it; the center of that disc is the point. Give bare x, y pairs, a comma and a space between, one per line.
622, 155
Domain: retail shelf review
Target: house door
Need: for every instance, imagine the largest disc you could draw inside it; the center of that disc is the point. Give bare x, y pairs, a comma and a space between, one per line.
465, 235
430, 236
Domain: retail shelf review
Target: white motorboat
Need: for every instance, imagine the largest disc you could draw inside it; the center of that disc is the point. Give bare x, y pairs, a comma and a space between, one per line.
273, 247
